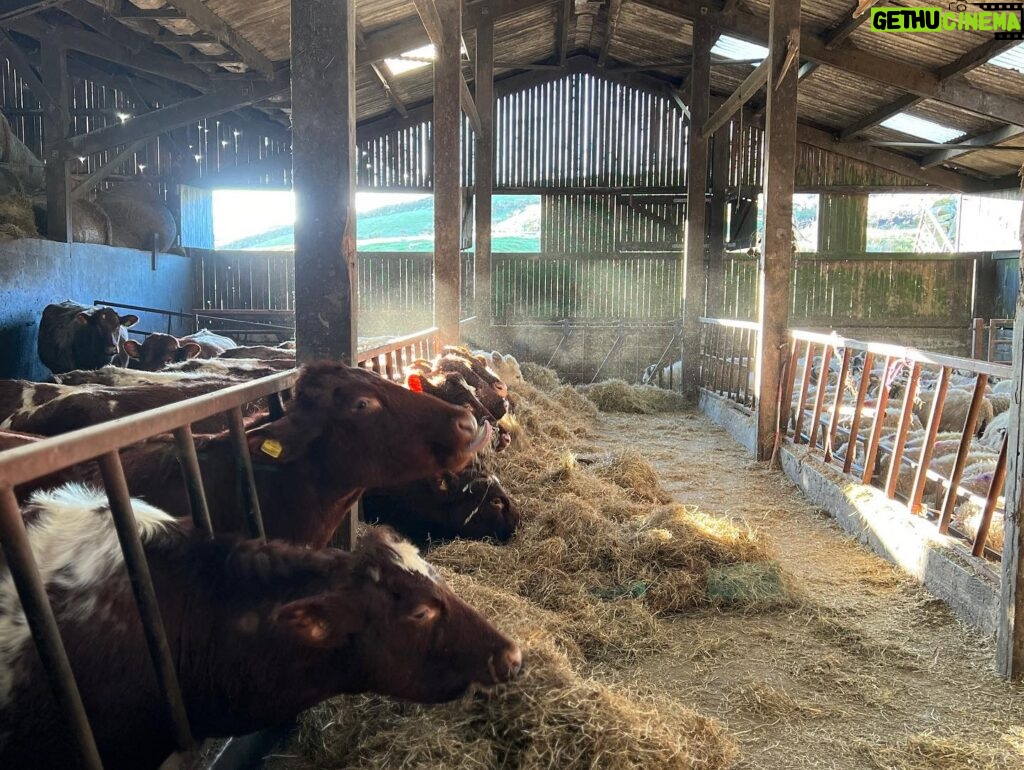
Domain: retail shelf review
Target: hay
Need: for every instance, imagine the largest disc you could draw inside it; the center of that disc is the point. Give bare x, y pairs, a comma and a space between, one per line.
599, 558
16, 217
925, 751
620, 396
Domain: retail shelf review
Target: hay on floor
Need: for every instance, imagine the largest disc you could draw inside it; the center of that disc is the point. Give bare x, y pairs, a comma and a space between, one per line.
16, 217
620, 396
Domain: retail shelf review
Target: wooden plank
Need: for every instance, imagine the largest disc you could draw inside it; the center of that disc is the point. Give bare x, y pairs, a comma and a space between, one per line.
717, 221
484, 170
447, 176
566, 13
964, 146
697, 179
750, 86
1010, 632
105, 170
203, 17
324, 157
21, 62
776, 262
614, 9
849, 24
16, 9
56, 125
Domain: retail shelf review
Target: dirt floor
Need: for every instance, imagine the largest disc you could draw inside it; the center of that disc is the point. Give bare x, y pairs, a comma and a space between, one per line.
869, 671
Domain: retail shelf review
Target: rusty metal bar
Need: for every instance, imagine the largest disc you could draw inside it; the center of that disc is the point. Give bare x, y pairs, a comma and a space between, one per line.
819, 400
751, 353
250, 496
858, 409
41, 621
991, 500
837, 405
145, 596
719, 363
949, 503
193, 478
906, 415
871, 451
928, 447
804, 385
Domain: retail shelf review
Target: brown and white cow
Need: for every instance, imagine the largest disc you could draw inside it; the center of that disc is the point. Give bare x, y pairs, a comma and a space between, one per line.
261, 352
49, 410
73, 336
258, 632
469, 504
213, 368
159, 350
344, 431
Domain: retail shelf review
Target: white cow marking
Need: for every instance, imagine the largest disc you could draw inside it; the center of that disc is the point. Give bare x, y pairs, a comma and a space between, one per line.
407, 556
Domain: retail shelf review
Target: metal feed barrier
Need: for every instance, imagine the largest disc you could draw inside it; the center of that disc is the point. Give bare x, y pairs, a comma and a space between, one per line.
101, 443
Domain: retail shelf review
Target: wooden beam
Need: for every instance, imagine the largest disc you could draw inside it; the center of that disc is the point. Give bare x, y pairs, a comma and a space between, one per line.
777, 256
614, 9
56, 125
566, 12
447, 171
227, 98
720, 150
897, 74
696, 210
203, 17
323, 44
434, 27
389, 89
16, 9
129, 11
750, 86
980, 142
877, 116
484, 171
23, 65
849, 24
89, 182
468, 104
1010, 631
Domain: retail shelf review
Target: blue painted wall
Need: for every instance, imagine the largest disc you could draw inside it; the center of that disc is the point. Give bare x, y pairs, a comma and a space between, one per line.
34, 273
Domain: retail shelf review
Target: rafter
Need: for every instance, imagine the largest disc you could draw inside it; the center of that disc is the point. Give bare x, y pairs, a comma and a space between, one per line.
208, 21
432, 25
16, 9
753, 83
21, 62
982, 141
566, 12
614, 10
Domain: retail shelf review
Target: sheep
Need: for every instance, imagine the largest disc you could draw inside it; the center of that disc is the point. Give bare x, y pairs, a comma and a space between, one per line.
954, 411
1000, 402
996, 431
967, 519
1004, 387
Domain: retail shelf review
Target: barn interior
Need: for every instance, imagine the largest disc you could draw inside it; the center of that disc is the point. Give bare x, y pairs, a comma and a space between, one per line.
664, 142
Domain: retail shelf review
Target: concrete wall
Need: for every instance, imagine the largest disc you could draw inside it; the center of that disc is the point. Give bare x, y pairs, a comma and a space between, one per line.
969, 585
34, 273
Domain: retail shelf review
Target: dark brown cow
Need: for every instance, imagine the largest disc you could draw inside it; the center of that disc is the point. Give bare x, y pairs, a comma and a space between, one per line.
261, 352
13, 440
159, 350
258, 633
49, 410
470, 505
345, 430
73, 336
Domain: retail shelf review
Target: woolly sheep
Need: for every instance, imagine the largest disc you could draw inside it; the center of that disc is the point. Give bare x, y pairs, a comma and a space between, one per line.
967, 519
954, 411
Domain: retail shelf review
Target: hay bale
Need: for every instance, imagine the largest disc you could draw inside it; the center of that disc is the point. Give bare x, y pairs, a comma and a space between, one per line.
540, 377
629, 471
620, 396
17, 219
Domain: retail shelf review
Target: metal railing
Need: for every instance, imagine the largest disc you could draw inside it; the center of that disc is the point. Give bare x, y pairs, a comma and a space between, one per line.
822, 402
102, 443
728, 351
992, 340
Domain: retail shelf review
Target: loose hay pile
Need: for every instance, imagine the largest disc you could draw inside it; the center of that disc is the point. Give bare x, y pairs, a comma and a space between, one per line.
600, 556
620, 396
16, 217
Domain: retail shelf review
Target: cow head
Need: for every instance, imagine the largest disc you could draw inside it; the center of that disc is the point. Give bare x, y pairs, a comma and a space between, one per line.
394, 627
368, 431
493, 395
99, 333
158, 351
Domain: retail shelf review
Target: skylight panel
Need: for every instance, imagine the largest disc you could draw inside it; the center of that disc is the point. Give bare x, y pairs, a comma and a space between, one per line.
1010, 59
924, 129
411, 60
733, 48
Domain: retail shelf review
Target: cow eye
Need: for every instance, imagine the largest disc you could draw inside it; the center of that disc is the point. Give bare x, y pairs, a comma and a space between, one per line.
423, 614
365, 404
497, 503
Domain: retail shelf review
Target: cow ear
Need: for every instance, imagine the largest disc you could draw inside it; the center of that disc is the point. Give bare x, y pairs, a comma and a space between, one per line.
129, 320
82, 319
282, 441
321, 621
132, 348
192, 349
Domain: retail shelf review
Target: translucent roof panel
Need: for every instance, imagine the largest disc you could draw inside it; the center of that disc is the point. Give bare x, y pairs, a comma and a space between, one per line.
1011, 59
733, 48
925, 129
411, 60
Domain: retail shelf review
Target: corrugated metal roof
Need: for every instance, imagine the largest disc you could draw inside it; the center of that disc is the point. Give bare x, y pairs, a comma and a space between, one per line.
919, 127
1013, 59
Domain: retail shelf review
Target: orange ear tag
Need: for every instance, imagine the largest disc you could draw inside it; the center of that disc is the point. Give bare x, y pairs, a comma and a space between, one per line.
415, 383
272, 448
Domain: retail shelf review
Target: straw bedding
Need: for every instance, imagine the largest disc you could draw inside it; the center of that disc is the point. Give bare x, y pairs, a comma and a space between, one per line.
601, 556
16, 217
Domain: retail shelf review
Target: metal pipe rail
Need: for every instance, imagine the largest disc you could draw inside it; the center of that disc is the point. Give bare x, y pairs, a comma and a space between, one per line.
728, 351
904, 366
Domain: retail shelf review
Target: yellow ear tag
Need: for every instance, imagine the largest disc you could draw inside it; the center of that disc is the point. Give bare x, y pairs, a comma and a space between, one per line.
272, 448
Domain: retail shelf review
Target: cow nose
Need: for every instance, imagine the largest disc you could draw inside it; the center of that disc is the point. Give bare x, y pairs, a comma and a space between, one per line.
500, 388
467, 424
510, 663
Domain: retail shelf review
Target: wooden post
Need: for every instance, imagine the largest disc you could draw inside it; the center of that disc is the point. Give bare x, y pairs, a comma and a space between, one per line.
323, 161
1010, 637
484, 171
696, 208
716, 221
56, 124
447, 175
777, 256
